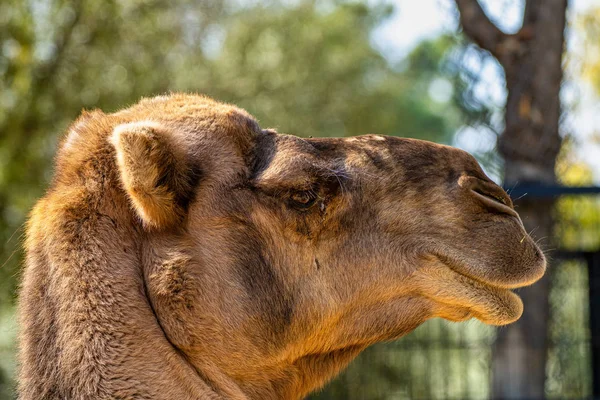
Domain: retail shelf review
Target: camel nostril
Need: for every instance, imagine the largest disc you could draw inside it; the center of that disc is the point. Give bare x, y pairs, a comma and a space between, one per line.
538, 253
488, 193
495, 203
491, 196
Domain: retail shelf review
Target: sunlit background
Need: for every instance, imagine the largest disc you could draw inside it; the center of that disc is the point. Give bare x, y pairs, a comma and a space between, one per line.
315, 68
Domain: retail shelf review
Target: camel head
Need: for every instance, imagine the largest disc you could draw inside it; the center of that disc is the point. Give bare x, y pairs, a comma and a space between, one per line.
274, 247
270, 260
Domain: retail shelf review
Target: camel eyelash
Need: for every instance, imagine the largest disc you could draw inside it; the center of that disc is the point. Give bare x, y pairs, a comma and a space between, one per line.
303, 199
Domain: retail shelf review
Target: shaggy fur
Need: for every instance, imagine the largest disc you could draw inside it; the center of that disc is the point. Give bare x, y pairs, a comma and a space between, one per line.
182, 252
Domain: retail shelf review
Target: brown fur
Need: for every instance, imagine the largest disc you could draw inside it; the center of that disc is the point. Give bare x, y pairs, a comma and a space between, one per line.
184, 253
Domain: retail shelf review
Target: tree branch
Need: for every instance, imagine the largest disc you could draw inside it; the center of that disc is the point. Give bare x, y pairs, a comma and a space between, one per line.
530, 14
478, 27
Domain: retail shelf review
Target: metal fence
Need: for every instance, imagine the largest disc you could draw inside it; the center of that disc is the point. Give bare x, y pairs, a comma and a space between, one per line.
443, 360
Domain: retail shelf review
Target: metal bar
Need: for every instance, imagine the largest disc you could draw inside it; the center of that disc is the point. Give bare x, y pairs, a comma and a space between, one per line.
571, 254
593, 261
537, 190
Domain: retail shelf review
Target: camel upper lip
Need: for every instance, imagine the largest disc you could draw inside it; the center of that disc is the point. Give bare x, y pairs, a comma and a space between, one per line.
482, 281
459, 268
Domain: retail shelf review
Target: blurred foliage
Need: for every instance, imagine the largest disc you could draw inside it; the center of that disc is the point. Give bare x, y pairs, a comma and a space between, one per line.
577, 225
439, 360
315, 73
577, 217
568, 372
590, 27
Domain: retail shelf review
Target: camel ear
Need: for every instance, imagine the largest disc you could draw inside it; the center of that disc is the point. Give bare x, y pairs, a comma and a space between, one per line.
154, 172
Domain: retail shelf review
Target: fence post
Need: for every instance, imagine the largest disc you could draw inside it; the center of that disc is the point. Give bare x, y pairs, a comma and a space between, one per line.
593, 263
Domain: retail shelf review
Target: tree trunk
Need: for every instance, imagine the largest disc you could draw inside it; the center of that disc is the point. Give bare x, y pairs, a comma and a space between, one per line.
532, 62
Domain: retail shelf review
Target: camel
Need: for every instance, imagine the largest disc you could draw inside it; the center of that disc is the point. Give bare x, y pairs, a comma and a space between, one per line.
183, 252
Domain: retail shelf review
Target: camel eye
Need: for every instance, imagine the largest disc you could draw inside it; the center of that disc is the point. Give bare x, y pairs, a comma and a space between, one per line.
303, 199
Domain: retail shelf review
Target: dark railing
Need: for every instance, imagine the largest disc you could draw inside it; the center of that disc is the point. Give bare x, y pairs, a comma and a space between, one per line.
541, 191
592, 261
591, 258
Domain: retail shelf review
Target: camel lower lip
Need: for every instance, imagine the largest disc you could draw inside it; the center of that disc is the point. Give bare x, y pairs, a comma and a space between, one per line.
506, 306
490, 304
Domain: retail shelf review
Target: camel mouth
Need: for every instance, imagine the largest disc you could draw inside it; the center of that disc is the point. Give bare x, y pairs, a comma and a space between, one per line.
460, 297
490, 303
